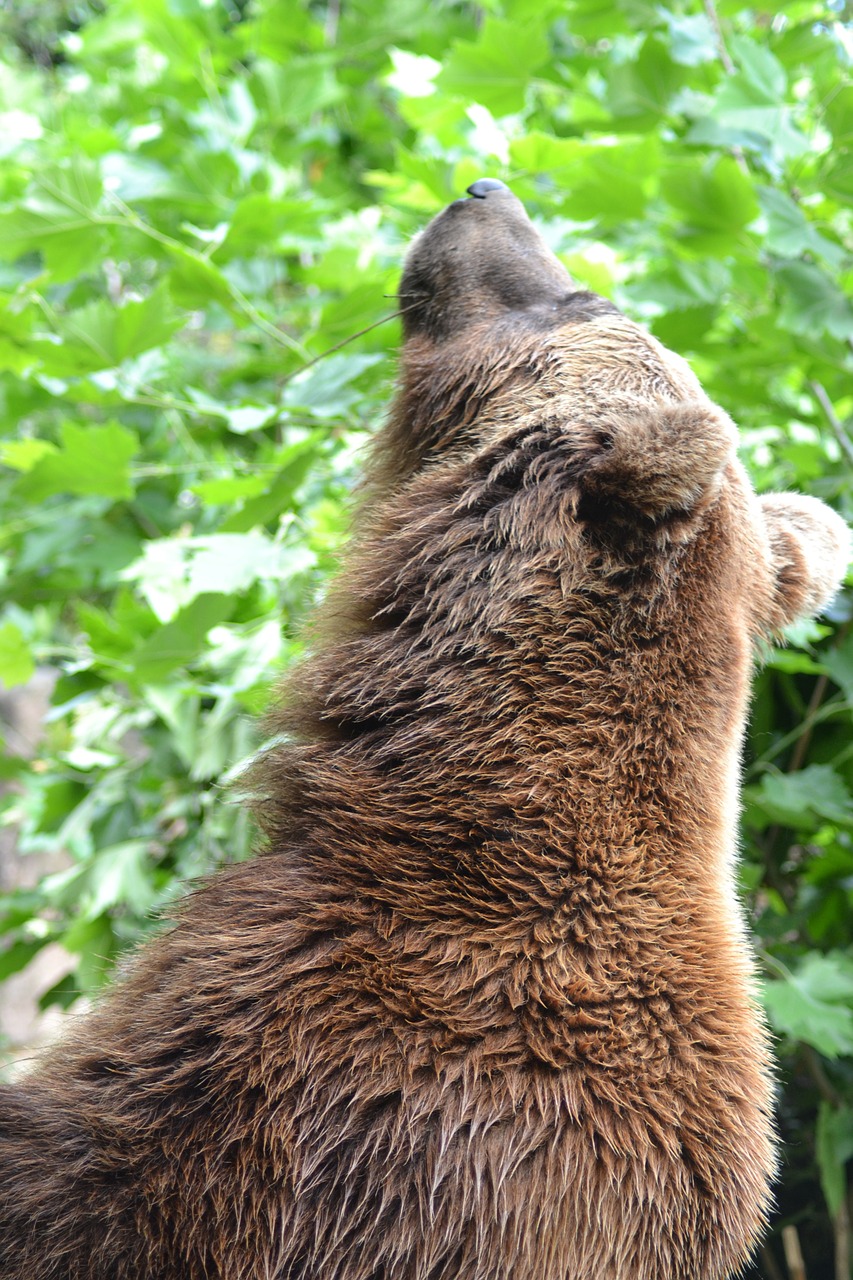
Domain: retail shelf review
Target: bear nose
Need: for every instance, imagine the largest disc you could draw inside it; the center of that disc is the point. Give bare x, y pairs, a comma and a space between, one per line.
483, 186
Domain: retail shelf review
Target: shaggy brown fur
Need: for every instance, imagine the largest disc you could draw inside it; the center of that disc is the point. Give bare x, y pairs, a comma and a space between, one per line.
483, 1011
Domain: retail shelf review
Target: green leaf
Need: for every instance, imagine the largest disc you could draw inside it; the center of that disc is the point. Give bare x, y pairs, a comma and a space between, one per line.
608, 182
58, 218
57, 800
17, 956
684, 285
715, 197
812, 303
692, 38
749, 108
259, 222
180, 641
789, 231
614, 183
119, 876
16, 323
241, 418
63, 993
815, 1003
22, 455
327, 388
16, 660
94, 941
796, 799
282, 29
760, 75
139, 326
173, 571
232, 488
838, 178
181, 716
839, 115
296, 91
768, 130
839, 664
101, 336
108, 637
91, 460
495, 70
685, 329
834, 1147
194, 281
795, 662
538, 152
274, 499
641, 89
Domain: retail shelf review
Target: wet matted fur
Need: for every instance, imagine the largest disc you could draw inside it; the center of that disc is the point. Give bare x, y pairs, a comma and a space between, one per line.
483, 1008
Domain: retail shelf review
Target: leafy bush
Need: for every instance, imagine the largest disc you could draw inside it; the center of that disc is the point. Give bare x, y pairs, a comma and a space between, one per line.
198, 199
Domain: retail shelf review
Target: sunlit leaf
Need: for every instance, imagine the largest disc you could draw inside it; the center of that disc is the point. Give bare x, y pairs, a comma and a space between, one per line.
179, 641
90, 460
713, 197
495, 69
16, 659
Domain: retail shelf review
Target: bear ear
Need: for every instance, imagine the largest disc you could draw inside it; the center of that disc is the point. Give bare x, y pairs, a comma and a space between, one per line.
809, 554
661, 460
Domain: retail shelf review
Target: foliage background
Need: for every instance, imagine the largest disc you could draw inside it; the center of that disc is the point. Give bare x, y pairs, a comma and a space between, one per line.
197, 199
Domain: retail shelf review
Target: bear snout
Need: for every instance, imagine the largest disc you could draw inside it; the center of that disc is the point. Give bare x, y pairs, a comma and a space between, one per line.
480, 259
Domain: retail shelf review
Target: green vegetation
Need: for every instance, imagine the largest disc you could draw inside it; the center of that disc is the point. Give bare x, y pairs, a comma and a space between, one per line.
198, 198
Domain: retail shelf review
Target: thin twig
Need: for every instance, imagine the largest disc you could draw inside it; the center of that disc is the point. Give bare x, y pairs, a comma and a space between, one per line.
155, 401
836, 426
714, 19
835, 706
798, 755
793, 1253
728, 66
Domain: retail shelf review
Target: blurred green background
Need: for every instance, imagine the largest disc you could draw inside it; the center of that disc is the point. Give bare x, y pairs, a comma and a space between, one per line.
200, 197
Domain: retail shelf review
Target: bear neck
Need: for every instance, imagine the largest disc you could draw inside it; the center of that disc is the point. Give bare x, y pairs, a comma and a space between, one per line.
492, 714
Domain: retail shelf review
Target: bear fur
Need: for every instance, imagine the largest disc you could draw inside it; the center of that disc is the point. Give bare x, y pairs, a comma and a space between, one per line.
484, 1008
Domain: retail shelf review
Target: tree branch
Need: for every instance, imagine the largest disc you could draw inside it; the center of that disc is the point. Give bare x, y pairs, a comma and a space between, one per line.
836, 426
714, 19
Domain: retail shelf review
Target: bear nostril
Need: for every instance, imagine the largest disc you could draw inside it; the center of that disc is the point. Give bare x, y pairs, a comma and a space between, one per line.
483, 186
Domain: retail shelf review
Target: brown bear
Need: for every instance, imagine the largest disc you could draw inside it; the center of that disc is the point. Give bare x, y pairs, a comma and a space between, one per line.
483, 1010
